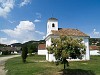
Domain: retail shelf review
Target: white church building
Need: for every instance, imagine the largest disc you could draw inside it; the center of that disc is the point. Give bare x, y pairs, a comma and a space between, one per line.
54, 32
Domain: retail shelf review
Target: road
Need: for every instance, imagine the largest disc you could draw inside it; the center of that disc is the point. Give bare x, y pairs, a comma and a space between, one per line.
2, 63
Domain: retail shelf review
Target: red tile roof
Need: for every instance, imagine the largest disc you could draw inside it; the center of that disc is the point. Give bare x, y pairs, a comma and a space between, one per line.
93, 47
68, 32
41, 46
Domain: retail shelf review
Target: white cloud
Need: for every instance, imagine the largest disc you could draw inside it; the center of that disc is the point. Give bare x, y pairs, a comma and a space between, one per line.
39, 32
38, 17
5, 7
25, 2
11, 21
95, 34
25, 31
7, 41
37, 20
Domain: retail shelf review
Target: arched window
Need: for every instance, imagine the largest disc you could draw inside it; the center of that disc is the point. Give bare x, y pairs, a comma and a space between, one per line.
53, 25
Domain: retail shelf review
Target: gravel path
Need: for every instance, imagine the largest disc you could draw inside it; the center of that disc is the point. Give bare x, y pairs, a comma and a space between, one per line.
2, 63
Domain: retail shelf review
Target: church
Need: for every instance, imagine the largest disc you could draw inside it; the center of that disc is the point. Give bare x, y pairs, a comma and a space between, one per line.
54, 32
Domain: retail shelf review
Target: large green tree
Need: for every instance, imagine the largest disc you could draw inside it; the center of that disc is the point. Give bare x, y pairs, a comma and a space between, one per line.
65, 47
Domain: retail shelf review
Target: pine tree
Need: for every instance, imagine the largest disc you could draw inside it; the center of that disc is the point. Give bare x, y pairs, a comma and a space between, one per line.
24, 53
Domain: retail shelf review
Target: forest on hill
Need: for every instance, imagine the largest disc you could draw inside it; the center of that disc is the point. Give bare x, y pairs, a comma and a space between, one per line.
94, 41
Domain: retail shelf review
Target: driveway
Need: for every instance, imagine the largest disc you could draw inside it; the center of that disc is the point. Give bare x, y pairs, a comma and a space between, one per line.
2, 63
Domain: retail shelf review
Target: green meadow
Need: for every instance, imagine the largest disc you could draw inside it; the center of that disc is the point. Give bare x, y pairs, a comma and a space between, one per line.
36, 65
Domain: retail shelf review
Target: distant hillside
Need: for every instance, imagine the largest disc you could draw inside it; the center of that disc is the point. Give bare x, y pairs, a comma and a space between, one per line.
94, 41
19, 44
4, 45
16, 44
31, 42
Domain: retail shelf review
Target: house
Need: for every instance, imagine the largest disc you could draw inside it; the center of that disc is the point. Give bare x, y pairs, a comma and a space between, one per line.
12, 50
54, 32
42, 49
94, 50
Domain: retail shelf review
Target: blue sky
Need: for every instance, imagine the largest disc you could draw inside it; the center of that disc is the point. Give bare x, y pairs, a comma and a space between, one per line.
24, 20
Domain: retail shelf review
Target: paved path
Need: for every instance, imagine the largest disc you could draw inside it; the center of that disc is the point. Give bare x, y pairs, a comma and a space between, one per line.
2, 63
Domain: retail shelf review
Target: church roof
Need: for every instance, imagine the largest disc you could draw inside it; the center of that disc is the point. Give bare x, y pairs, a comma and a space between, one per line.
52, 18
69, 32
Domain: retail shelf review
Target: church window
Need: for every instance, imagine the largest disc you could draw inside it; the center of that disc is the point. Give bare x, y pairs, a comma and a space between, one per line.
53, 25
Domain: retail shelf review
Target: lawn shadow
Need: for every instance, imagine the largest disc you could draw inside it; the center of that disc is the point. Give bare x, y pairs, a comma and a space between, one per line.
76, 72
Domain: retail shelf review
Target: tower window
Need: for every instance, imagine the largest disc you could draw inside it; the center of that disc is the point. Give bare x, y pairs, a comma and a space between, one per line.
53, 25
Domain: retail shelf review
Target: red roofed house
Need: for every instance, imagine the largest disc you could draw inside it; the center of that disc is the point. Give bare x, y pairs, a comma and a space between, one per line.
54, 32
42, 49
94, 50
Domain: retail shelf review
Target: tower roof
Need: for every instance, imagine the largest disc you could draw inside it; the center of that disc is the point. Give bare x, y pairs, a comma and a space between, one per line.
52, 18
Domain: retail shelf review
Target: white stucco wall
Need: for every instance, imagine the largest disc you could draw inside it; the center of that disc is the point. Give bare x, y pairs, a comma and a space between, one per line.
94, 52
86, 42
48, 43
47, 56
51, 58
42, 52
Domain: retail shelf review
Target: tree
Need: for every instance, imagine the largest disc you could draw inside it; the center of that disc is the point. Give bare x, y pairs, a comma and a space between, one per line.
32, 48
65, 47
24, 53
98, 44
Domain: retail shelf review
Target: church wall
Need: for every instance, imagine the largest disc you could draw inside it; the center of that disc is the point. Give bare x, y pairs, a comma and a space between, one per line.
48, 43
86, 41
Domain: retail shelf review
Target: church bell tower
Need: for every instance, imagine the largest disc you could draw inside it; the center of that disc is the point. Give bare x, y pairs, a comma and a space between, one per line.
52, 24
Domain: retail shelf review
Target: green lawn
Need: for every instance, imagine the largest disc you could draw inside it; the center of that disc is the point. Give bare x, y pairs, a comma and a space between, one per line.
36, 65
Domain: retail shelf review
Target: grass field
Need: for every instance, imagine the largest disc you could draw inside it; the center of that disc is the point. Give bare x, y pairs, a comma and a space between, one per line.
7, 55
36, 65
